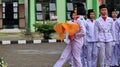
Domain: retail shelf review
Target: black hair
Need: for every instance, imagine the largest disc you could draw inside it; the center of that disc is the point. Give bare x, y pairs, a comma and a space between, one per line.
71, 14
102, 6
89, 11
80, 9
114, 10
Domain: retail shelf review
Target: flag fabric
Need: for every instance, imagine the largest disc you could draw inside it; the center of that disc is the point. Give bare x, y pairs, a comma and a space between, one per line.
70, 28
61, 28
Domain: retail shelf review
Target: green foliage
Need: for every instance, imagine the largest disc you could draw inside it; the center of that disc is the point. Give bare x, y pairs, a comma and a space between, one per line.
46, 29
2, 63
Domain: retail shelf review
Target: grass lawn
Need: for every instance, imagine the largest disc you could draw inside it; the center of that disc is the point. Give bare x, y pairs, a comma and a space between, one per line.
3, 34
6, 34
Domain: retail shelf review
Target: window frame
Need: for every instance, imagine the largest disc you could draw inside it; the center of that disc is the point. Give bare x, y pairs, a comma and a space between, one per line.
73, 2
49, 11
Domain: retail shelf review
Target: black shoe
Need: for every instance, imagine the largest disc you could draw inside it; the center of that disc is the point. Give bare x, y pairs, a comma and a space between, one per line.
116, 66
113, 66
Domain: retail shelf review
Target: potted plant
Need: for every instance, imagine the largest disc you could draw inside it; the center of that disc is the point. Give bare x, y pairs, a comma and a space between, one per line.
45, 28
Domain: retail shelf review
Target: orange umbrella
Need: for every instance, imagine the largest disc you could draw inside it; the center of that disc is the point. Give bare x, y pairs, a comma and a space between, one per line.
70, 28
60, 30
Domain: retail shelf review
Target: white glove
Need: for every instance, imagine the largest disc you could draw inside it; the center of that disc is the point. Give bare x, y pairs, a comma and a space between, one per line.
117, 43
98, 45
67, 41
113, 43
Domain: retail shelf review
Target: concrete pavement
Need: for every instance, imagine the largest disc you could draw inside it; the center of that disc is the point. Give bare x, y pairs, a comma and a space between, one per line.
32, 55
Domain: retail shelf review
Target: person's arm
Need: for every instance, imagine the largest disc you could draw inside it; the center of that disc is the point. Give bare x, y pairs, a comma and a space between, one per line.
86, 27
117, 30
113, 31
67, 40
96, 31
82, 24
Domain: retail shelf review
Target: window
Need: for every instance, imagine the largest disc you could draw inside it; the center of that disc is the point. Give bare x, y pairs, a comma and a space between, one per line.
3, 5
52, 12
45, 9
15, 10
9, 1
71, 6
6, 0
39, 7
39, 16
69, 9
68, 16
3, 9
76, 1
39, 11
52, 6
15, 4
3, 15
15, 15
45, 1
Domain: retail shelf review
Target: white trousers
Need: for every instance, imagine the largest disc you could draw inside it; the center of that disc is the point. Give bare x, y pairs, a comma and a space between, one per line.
71, 50
105, 54
114, 58
92, 54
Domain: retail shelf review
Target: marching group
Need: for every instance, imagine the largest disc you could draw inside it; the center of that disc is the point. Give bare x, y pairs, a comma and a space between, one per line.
97, 43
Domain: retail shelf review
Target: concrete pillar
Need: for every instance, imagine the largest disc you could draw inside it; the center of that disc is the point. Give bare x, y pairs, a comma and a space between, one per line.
96, 8
61, 10
31, 14
89, 4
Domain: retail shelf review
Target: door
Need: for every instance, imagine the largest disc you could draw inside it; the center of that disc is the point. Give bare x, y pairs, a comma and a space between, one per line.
1, 23
10, 15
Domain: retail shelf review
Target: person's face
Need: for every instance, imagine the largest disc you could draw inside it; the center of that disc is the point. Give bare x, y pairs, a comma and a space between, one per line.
74, 15
92, 15
103, 11
75, 10
114, 14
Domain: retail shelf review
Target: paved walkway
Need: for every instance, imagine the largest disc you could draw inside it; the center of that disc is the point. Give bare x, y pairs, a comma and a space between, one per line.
31, 55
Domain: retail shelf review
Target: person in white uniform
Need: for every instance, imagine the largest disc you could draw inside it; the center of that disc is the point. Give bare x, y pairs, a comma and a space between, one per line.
80, 11
67, 40
104, 36
73, 49
92, 48
81, 14
117, 29
114, 61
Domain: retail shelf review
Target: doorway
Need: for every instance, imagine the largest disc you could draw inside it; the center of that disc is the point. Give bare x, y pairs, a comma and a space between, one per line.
10, 15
